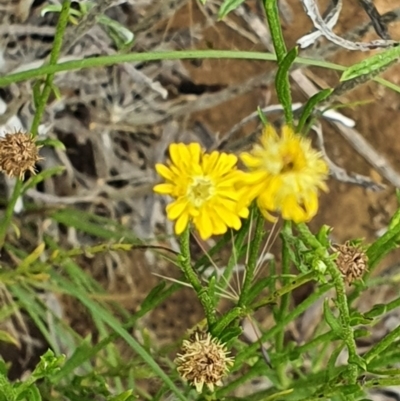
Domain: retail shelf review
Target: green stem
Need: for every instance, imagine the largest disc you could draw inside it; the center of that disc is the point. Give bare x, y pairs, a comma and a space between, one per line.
41, 104
271, 299
347, 332
55, 51
301, 308
253, 257
378, 349
272, 13
285, 59
285, 302
237, 312
103, 61
191, 277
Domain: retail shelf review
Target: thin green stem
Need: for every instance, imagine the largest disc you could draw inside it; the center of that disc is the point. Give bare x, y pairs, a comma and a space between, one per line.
191, 276
347, 332
295, 283
253, 257
285, 59
285, 302
41, 104
103, 61
272, 13
55, 51
301, 308
386, 342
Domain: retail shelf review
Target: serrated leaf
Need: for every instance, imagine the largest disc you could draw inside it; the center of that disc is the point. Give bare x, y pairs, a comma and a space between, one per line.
331, 319
282, 84
372, 64
310, 105
227, 6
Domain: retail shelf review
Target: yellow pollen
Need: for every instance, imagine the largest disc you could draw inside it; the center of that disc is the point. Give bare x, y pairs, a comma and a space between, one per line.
200, 190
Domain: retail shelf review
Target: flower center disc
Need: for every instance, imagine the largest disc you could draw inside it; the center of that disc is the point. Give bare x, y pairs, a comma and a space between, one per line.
200, 190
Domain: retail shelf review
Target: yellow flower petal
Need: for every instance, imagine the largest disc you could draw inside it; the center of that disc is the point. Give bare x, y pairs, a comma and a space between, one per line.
181, 224
176, 209
205, 188
164, 189
285, 174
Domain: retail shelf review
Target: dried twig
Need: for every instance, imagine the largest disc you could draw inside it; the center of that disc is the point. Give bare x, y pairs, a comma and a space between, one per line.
379, 25
312, 11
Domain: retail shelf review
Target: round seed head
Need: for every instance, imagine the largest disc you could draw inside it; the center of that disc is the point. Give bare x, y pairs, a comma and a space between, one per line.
18, 154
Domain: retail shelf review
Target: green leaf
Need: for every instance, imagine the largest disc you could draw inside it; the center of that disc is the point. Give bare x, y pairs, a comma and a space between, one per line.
227, 6
56, 91
122, 33
258, 286
49, 364
383, 245
56, 8
282, 83
310, 105
262, 117
43, 175
372, 64
331, 319
8, 338
31, 394
55, 143
107, 317
376, 311
153, 297
229, 334
31, 258
125, 396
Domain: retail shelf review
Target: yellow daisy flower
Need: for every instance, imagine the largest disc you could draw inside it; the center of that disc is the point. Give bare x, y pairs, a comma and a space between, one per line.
285, 174
203, 186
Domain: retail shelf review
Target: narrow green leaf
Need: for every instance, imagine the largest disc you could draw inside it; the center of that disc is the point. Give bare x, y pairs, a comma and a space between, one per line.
310, 105
125, 396
229, 334
331, 319
55, 143
262, 116
372, 64
32, 257
376, 311
227, 6
8, 338
43, 175
153, 296
123, 33
115, 325
282, 84
386, 243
